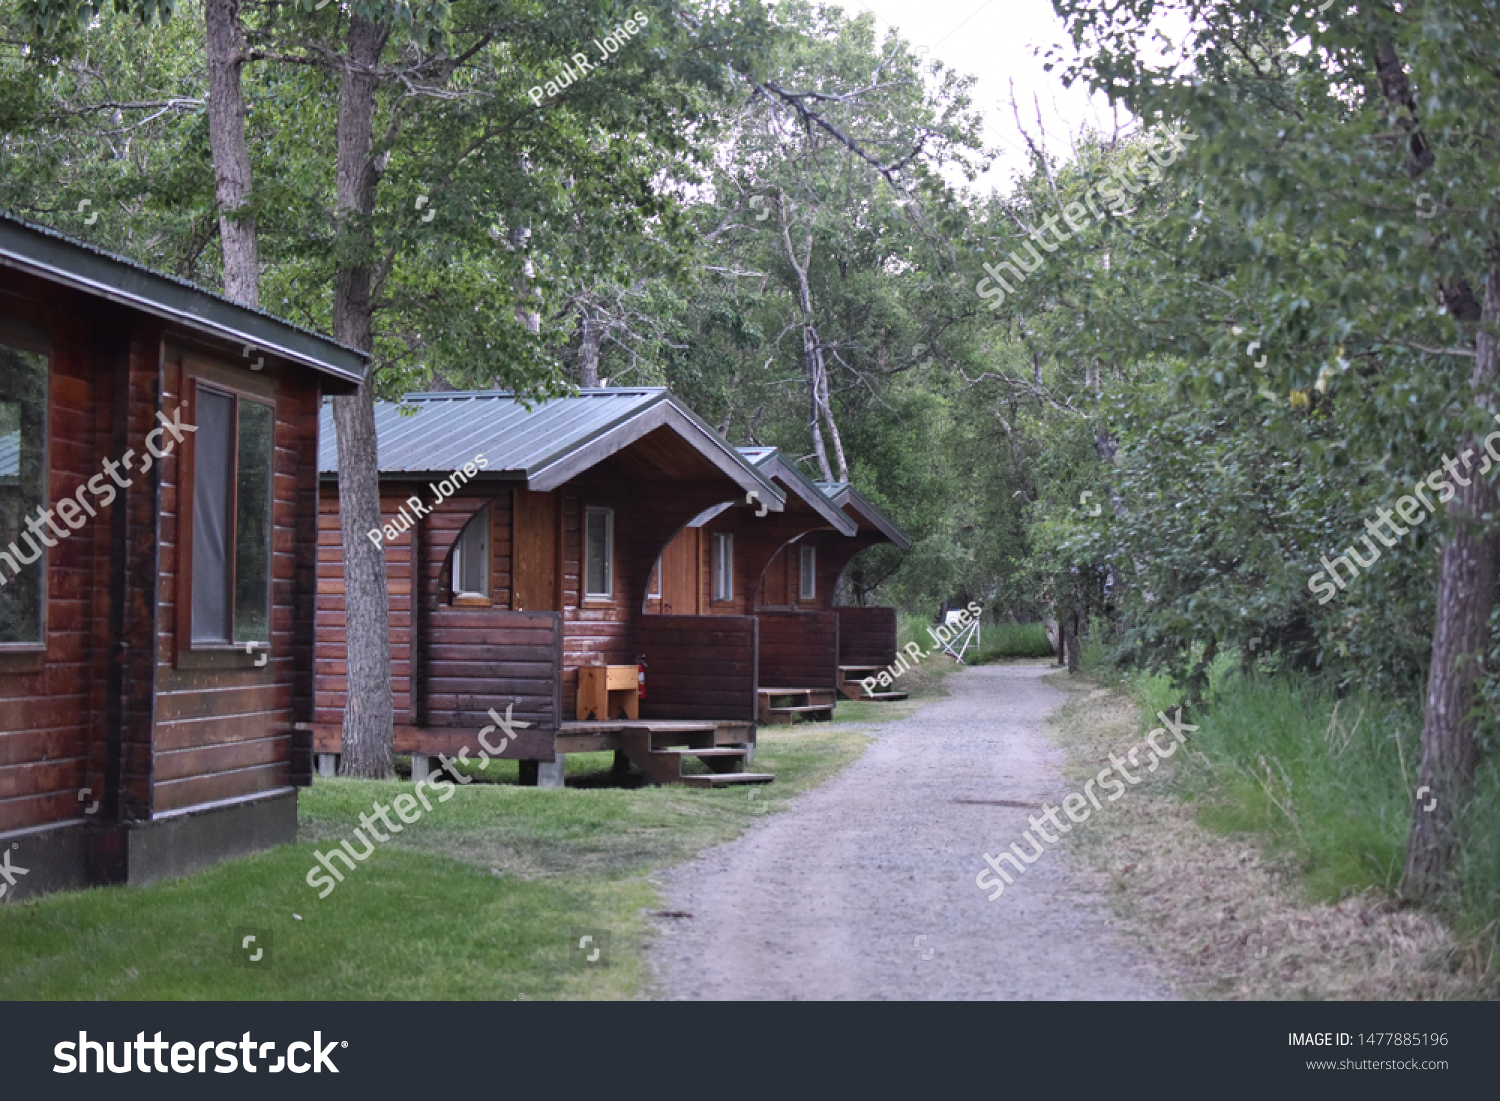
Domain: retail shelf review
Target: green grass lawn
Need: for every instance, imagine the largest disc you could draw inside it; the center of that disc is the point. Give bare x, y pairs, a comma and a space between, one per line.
485, 897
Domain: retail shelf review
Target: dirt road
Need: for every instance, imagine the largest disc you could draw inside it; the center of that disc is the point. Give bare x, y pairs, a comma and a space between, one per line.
864, 888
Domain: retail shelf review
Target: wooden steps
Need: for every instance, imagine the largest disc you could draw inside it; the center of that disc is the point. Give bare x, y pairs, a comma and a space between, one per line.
726, 779
786, 705
851, 689
659, 754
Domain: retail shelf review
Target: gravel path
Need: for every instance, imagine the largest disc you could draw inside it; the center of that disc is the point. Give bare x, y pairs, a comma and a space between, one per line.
827, 899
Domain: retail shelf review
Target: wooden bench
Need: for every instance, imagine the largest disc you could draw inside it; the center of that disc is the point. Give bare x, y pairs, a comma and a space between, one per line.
604, 688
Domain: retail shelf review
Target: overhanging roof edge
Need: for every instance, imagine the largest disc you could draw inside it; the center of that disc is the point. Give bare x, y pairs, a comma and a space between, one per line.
60, 259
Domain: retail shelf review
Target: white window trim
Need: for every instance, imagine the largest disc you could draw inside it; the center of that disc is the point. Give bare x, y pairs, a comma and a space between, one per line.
608, 592
723, 564
807, 579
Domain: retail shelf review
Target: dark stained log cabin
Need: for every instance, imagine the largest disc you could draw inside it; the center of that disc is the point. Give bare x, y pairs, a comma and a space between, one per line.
158, 533
520, 545
811, 570
718, 565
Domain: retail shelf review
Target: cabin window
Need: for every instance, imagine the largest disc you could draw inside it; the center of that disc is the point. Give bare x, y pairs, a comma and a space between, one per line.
233, 452
23, 480
807, 574
598, 552
653, 587
471, 558
723, 566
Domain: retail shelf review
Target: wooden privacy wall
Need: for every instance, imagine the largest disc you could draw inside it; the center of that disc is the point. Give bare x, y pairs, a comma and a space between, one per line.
699, 667
482, 658
867, 636
799, 649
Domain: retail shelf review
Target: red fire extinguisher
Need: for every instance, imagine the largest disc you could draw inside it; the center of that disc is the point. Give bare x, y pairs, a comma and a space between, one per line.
640, 677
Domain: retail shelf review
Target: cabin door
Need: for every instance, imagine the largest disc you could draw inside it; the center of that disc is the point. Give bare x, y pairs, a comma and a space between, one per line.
534, 540
681, 587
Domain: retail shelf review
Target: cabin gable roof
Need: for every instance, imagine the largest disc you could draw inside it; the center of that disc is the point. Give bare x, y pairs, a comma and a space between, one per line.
61, 260
770, 462
846, 497
543, 446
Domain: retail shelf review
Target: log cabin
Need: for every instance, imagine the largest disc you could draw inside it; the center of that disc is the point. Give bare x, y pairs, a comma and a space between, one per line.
866, 634
520, 545
158, 526
730, 560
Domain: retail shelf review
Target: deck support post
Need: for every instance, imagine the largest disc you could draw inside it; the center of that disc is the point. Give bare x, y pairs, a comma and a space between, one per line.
543, 774
422, 767
328, 765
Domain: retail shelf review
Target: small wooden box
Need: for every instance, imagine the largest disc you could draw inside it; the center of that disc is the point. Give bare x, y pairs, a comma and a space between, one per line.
608, 692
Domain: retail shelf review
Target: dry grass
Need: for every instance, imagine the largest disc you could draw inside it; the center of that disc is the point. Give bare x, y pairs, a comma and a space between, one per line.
1223, 917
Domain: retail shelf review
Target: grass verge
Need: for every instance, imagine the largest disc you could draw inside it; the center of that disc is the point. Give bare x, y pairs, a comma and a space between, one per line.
484, 897
1255, 864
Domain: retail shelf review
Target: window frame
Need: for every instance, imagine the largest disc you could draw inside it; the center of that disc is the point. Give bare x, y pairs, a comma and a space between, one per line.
807, 573
482, 522
722, 563
33, 341
198, 370
607, 593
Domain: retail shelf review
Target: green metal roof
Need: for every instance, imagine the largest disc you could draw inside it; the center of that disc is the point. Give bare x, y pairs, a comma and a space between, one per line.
544, 445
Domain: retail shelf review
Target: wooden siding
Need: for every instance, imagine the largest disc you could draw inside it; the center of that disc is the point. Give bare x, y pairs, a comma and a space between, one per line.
223, 725
114, 702
798, 649
699, 667
52, 703
428, 542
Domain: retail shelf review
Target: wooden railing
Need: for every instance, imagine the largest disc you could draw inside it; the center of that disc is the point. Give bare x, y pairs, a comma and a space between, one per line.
699, 667
799, 649
867, 636
475, 659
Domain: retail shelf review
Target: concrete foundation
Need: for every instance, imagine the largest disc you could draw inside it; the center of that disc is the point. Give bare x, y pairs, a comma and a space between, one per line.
86, 854
543, 774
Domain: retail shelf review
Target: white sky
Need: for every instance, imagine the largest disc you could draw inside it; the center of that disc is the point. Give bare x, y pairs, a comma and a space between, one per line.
997, 42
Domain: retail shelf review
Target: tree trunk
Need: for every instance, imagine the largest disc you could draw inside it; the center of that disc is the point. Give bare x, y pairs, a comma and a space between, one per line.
1070, 632
529, 317
1465, 597
369, 713
818, 411
224, 43
590, 337
826, 401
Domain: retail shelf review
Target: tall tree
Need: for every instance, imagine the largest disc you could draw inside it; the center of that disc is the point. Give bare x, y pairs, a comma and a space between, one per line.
1345, 142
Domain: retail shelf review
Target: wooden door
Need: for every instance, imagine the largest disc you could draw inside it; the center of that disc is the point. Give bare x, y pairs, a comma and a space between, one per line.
534, 548
680, 585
